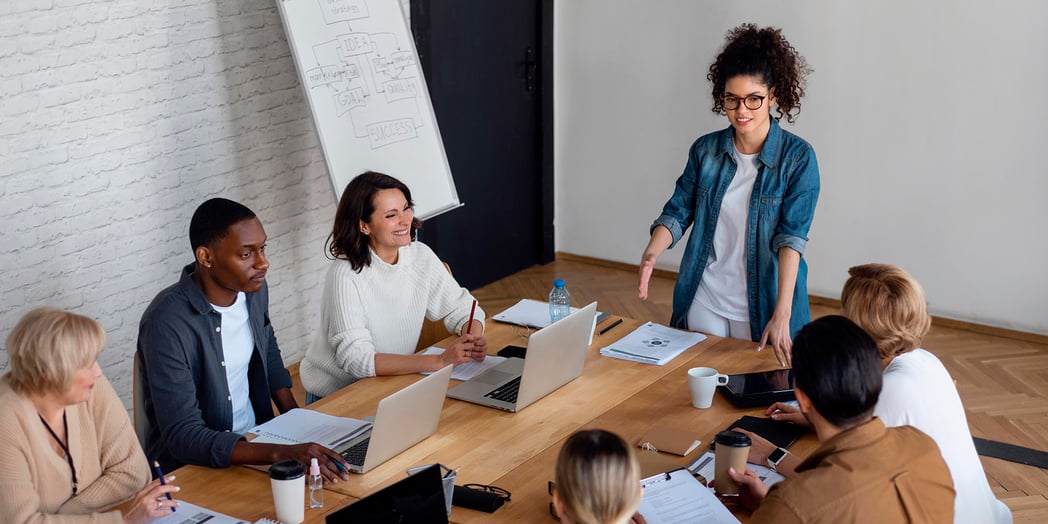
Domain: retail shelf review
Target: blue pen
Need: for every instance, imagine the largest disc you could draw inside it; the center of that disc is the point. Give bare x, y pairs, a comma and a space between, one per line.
160, 473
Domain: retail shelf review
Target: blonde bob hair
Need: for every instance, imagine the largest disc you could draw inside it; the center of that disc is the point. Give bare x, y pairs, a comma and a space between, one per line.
47, 347
597, 478
889, 304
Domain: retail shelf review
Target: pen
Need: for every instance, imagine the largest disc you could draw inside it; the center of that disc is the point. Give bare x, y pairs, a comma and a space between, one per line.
451, 473
472, 310
613, 324
163, 482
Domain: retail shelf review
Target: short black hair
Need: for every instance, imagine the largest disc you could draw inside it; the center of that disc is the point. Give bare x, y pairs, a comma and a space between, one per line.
212, 219
836, 364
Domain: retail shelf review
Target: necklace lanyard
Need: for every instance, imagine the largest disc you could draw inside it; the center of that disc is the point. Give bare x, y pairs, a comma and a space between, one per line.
68, 455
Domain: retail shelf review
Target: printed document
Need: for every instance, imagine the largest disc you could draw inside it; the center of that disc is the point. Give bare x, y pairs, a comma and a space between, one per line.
469, 369
652, 344
192, 514
676, 497
305, 425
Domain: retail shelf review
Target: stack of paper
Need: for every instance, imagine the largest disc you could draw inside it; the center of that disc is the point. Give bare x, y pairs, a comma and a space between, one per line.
677, 498
305, 425
652, 344
532, 314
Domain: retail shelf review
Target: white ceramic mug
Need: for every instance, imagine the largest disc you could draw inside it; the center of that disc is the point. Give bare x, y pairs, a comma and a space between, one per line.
703, 382
288, 479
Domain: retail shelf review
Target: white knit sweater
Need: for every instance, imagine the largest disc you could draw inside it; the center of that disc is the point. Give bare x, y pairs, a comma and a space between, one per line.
380, 310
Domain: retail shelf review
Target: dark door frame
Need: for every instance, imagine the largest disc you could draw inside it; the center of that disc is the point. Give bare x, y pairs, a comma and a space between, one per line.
419, 11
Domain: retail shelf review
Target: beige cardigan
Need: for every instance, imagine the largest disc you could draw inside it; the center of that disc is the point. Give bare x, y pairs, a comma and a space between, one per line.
36, 483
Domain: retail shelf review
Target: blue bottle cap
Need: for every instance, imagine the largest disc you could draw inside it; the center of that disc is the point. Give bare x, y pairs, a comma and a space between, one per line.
558, 282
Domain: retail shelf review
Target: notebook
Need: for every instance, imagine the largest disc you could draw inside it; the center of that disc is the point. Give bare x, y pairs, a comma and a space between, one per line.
555, 357
403, 419
670, 440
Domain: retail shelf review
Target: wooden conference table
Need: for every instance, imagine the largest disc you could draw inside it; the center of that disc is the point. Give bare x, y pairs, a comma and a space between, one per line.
517, 451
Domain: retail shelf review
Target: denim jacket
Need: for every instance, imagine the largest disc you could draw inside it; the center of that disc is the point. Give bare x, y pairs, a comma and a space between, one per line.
781, 209
189, 413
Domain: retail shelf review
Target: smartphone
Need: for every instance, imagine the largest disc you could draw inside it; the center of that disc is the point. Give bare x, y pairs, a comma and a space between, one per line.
512, 352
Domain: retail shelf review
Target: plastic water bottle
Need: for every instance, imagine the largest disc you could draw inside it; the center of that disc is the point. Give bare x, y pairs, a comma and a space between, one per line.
316, 485
559, 301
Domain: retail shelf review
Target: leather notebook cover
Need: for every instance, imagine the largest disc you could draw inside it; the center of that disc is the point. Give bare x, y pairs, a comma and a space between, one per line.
780, 433
670, 440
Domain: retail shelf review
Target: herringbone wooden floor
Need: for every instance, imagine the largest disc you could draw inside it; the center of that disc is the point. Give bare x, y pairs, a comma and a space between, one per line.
1003, 381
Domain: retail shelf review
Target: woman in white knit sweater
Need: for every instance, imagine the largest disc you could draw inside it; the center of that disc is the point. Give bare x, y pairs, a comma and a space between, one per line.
379, 289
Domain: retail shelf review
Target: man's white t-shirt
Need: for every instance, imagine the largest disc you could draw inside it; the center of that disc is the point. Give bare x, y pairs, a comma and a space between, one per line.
237, 346
722, 287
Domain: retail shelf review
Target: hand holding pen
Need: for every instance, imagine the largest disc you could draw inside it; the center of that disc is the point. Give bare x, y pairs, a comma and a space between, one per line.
152, 502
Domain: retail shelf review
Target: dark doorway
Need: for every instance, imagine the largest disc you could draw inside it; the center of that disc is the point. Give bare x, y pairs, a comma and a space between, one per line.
488, 65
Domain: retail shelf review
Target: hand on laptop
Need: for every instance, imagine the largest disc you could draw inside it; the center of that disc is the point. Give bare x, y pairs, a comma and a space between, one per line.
332, 466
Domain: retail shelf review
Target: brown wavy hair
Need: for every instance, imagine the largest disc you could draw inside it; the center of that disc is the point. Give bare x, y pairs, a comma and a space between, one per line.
762, 53
346, 241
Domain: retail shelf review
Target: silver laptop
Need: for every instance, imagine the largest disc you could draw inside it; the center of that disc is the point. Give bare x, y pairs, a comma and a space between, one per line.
555, 357
403, 419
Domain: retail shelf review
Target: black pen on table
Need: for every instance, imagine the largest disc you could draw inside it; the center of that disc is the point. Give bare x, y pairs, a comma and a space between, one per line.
163, 482
613, 324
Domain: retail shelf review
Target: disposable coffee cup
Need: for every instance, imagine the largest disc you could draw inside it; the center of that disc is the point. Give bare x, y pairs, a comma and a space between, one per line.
703, 383
731, 451
288, 479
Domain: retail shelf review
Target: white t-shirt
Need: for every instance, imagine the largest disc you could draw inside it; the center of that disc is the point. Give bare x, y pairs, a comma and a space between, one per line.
237, 346
919, 392
722, 287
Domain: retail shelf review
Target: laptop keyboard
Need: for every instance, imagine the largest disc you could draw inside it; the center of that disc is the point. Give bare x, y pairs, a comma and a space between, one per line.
506, 392
355, 454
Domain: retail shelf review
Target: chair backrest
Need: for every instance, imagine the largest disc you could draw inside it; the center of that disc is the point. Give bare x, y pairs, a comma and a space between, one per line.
139, 401
433, 331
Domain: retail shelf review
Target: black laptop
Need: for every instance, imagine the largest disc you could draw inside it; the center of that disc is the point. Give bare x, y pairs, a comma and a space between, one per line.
417, 498
763, 388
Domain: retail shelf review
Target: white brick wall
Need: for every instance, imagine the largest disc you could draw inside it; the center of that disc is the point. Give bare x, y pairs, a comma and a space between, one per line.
117, 118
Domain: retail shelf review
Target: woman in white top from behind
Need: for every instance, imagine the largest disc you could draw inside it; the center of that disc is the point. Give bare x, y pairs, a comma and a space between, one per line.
918, 391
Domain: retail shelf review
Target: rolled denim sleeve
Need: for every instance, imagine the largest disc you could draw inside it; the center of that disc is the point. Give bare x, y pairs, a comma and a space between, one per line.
170, 354
679, 211
798, 203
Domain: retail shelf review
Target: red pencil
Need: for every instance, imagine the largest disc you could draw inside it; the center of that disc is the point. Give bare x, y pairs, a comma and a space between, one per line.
472, 310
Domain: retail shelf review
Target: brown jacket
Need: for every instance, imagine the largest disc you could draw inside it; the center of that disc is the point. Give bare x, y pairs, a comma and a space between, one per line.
866, 474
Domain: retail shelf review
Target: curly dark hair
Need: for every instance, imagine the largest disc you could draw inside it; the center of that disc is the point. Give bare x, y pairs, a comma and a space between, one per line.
763, 53
346, 241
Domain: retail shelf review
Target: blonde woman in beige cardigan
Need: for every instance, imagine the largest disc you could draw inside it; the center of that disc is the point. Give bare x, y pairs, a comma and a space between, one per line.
68, 452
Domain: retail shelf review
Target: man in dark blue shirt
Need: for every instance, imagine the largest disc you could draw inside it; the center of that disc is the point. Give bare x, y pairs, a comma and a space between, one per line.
209, 359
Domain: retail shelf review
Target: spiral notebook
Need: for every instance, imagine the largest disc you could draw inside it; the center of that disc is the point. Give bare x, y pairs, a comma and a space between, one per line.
305, 425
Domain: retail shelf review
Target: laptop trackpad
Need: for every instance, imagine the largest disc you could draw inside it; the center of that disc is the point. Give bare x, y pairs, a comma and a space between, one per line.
494, 377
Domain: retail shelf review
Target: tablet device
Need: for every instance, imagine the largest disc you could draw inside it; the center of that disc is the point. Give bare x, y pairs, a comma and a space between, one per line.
762, 388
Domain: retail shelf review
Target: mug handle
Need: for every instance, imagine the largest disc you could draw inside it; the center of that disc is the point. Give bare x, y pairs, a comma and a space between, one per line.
722, 379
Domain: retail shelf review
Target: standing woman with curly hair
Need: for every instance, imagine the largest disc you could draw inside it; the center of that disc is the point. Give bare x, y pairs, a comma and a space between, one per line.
749, 191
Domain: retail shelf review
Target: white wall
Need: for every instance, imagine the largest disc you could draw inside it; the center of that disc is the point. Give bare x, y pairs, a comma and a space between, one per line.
118, 118
928, 118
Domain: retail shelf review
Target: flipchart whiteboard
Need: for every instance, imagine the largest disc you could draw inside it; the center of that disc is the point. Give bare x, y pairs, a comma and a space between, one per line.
361, 76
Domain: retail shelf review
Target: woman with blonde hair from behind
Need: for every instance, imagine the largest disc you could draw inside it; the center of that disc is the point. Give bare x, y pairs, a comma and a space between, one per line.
67, 449
597, 479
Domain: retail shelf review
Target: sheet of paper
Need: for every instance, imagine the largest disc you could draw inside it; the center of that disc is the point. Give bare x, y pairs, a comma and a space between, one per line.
469, 369
533, 314
652, 344
305, 425
192, 514
703, 466
677, 498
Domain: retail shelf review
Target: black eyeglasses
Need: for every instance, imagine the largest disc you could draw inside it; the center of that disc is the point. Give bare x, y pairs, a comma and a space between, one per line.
752, 102
504, 494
